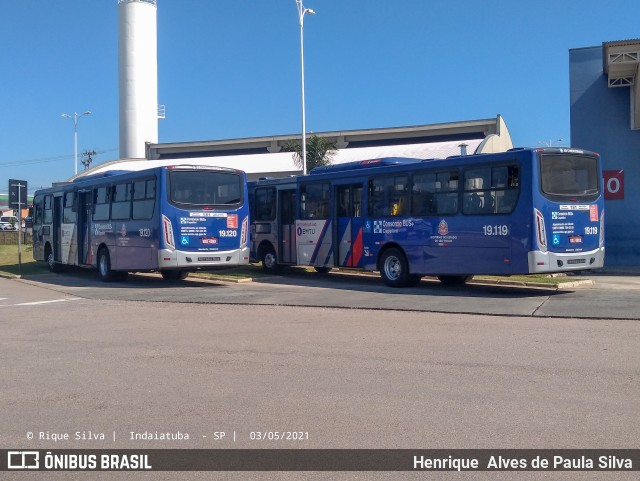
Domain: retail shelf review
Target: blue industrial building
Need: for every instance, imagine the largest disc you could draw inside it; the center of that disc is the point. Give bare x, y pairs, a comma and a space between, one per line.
605, 118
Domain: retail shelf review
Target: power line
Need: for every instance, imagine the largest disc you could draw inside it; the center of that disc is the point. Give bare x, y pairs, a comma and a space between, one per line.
42, 160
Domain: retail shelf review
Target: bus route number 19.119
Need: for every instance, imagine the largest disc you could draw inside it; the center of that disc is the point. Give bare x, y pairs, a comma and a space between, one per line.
496, 229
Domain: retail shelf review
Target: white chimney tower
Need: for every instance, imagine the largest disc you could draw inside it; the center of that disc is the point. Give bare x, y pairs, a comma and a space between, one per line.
138, 76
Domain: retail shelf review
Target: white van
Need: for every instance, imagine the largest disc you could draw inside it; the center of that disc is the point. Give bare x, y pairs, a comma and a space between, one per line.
10, 220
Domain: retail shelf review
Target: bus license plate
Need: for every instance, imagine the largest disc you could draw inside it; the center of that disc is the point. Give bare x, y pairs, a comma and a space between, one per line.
209, 240
577, 261
208, 259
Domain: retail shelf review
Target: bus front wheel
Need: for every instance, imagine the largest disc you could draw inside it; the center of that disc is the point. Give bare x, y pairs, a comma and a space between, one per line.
270, 261
394, 268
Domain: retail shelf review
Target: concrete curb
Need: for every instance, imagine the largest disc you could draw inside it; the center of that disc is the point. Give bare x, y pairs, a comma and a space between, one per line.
542, 285
492, 282
242, 280
6, 275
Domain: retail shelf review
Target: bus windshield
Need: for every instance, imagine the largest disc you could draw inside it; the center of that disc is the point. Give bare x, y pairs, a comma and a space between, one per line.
205, 187
569, 175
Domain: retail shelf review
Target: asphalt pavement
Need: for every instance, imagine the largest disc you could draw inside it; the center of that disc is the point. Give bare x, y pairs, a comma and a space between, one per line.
612, 294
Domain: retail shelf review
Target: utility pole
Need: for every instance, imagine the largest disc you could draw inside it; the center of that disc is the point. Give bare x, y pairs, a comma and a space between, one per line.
86, 158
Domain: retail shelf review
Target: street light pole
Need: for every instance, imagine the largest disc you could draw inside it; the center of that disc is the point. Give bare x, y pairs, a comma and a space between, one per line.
75, 118
301, 13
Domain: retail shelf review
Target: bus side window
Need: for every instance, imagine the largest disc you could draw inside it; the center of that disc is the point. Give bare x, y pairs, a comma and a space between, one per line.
488, 203
48, 209
388, 196
37, 214
398, 207
314, 201
476, 198
265, 204
507, 201
472, 203
121, 202
69, 211
100, 204
144, 199
507, 187
357, 201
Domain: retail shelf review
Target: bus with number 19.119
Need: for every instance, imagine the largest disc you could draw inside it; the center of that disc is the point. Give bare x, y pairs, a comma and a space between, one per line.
523, 211
173, 220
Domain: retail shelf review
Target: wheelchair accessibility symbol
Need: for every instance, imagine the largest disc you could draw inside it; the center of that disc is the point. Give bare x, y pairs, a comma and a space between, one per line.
184, 240
556, 239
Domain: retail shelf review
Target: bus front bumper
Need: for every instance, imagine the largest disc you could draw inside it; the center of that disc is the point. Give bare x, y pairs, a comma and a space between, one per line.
543, 262
186, 260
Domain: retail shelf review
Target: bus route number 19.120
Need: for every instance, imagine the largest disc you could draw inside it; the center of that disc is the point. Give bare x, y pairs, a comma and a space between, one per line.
496, 229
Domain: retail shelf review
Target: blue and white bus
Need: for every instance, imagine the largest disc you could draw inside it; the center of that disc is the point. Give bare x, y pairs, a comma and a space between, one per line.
519, 212
174, 220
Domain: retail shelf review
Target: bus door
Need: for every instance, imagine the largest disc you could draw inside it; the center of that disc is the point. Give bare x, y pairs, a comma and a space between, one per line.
287, 226
84, 232
348, 225
57, 228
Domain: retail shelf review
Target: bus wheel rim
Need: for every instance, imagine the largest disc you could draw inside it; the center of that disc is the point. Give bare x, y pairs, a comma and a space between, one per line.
103, 265
392, 268
269, 260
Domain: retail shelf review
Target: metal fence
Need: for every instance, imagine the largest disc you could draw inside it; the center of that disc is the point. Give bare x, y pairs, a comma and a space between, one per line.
11, 237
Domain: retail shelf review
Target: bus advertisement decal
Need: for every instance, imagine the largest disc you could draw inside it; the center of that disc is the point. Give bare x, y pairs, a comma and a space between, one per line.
443, 239
357, 249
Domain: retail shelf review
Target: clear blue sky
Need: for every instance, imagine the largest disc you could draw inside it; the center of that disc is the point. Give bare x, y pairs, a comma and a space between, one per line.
231, 69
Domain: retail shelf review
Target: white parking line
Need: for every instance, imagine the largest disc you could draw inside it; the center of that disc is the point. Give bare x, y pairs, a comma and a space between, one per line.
46, 302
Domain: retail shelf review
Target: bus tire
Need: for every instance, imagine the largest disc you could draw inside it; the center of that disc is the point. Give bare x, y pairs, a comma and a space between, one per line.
270, 261
173, 275
104, 266
394, 268
51, 263
454, 280
322, 269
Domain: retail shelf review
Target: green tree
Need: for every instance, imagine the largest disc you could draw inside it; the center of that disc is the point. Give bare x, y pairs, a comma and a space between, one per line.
320, 151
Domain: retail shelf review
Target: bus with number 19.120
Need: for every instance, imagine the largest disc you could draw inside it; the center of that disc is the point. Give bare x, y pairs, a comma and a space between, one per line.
523, 211
174, 220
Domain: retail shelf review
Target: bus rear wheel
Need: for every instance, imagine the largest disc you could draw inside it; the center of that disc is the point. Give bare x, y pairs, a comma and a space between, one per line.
454, 280
394, 268
322, 269
170, 275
